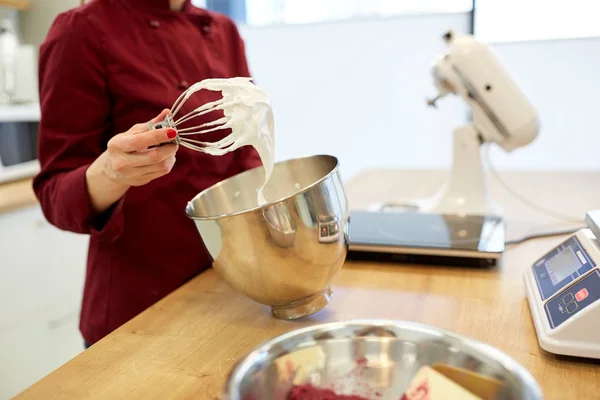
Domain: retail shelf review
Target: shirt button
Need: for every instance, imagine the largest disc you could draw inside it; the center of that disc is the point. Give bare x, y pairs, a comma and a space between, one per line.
206, 29
154, 23
183, 85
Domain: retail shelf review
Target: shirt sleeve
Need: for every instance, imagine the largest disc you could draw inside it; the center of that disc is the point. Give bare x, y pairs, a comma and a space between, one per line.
247, 156
75, 109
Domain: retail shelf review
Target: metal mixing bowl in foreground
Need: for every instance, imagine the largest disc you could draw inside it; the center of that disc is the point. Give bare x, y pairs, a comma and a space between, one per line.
372, 359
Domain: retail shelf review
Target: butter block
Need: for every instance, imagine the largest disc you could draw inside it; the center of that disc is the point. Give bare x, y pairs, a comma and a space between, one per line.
483, 386
428, 384
298, 366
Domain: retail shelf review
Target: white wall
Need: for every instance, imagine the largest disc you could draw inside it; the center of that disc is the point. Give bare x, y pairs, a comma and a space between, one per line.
36, 21
562, 78
337, 87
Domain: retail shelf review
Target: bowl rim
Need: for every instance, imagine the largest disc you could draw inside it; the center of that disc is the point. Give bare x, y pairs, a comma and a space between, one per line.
334, 171
532, 389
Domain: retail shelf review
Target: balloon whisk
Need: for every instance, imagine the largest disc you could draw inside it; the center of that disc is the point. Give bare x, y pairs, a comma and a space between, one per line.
244, 105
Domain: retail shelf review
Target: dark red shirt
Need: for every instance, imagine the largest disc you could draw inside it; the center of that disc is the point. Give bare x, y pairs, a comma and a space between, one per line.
103, 68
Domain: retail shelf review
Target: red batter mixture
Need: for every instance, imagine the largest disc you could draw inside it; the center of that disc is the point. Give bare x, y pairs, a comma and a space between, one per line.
309, 392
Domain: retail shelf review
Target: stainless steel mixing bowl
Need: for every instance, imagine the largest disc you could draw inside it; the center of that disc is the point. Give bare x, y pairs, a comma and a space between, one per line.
284, 253
372, 359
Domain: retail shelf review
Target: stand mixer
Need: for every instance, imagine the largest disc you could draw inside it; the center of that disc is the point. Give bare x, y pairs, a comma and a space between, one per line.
501, 115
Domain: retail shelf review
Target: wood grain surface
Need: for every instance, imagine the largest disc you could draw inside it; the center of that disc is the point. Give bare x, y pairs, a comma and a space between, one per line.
17, 194
184, 346
18, 4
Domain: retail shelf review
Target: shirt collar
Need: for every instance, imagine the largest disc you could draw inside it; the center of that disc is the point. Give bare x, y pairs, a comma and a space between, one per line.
163, 5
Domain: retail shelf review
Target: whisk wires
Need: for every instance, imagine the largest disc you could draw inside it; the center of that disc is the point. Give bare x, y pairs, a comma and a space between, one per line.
227, 103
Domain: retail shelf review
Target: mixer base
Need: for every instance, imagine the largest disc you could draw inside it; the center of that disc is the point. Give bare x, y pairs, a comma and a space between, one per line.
304, 307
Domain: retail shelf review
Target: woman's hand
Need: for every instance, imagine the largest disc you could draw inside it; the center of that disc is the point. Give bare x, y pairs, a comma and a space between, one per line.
130, 160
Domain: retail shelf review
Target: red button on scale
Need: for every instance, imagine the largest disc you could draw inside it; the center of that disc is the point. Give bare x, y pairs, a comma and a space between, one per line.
582, 294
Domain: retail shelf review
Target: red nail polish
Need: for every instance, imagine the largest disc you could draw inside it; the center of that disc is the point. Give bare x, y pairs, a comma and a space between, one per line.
171, 133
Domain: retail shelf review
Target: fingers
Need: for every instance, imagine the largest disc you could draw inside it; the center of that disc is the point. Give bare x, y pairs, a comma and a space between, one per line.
153, 172
143, 174
153, 156
161, 116
142, 140
143, 127
145, 140
162, 167
124, 161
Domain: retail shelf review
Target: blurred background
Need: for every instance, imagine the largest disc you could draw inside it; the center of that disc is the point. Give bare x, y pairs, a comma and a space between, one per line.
346, 77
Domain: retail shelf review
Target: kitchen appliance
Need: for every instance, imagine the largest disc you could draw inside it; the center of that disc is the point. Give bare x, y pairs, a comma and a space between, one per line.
563, 293
9, 48
18, 141
501, 115
373, 359
26, 77
284, 253
412, 237
19, 120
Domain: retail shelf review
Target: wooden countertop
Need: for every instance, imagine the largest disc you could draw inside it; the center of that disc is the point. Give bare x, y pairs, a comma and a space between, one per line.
15, 195
185, 345
17, 4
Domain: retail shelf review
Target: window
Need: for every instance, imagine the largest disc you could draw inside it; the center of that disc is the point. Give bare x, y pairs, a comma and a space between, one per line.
518, 20
235, 9
266, 12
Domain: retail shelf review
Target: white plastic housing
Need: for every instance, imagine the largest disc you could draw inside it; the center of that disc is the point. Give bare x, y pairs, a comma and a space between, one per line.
465, 193
579, 335
501, 112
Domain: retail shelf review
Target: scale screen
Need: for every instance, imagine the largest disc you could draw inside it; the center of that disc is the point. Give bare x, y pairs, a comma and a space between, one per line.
560, 267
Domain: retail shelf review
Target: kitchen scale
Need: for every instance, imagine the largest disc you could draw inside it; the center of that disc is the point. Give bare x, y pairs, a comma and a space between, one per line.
425, 238
563, 291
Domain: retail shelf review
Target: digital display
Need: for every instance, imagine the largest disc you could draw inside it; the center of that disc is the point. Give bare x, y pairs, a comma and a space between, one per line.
562, 265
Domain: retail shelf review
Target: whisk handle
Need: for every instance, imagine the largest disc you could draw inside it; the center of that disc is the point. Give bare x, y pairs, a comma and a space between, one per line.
166, 123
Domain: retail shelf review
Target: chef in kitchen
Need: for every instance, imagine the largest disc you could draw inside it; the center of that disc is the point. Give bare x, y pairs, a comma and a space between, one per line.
106, 68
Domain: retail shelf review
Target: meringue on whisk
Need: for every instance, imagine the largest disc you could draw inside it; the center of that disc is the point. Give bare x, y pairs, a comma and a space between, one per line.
247, 112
